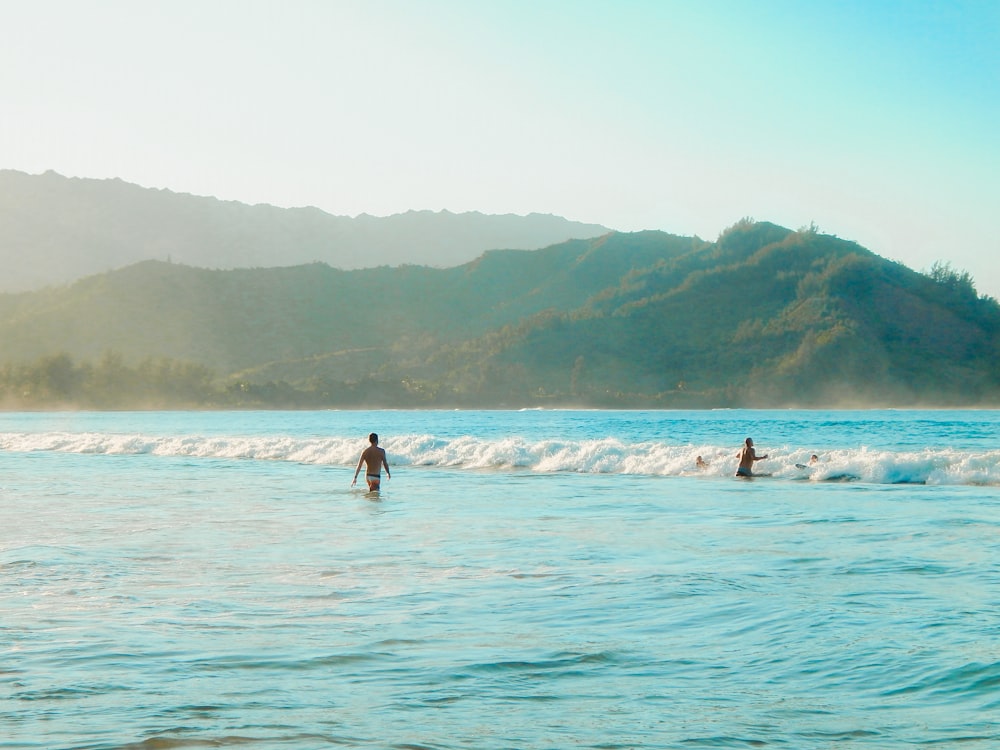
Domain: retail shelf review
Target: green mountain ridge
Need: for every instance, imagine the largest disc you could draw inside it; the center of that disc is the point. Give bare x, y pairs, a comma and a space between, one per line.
764, 316
794, 318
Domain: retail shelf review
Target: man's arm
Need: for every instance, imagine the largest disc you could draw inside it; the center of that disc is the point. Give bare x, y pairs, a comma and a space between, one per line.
360, 461
385, 463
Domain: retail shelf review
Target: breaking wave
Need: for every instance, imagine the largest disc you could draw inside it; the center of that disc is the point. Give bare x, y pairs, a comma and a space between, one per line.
597, 456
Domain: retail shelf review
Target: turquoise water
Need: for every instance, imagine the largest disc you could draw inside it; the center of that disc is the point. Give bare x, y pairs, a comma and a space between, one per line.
537, 579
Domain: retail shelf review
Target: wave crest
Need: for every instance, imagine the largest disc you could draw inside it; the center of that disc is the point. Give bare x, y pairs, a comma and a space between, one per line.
598, 456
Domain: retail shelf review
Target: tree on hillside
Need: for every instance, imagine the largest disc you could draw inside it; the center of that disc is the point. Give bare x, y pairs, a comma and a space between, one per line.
959, 283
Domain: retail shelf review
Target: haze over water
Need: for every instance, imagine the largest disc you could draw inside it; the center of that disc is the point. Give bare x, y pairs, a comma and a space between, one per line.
526, 579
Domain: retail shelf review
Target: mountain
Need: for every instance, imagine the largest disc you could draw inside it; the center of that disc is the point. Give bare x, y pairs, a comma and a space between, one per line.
54, 230
246, 318
764, 316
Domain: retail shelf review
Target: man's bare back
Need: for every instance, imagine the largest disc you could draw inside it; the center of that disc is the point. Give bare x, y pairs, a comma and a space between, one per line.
374, 459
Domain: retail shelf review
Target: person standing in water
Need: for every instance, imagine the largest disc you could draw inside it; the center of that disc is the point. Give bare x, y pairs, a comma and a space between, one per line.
374, 458
747, 456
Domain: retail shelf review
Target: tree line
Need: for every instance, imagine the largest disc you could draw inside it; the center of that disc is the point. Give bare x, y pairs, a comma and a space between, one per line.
60, 382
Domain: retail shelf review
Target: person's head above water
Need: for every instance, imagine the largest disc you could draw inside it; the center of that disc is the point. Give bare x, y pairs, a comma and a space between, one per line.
373, 439
749, 442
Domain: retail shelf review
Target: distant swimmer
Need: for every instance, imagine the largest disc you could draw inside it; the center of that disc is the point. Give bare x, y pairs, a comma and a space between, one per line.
747, 456
374, 458
701, 463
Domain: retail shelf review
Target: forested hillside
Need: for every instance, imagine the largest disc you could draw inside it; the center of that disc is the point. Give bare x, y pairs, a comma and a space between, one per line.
764, 316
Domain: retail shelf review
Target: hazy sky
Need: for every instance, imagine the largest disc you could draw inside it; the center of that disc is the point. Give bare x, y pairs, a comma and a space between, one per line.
879, 120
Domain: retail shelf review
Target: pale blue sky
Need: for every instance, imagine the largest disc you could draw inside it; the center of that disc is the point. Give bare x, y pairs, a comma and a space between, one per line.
876, 120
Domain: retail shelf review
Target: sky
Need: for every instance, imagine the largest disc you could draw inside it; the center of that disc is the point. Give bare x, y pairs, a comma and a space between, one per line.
875, 120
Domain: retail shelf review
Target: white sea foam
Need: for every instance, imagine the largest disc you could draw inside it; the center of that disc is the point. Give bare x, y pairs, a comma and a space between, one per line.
597, 456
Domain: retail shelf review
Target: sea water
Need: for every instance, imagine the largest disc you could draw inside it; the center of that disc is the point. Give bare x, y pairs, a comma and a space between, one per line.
526, 579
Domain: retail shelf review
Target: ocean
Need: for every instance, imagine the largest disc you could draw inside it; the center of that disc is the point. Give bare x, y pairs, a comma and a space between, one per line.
526, 579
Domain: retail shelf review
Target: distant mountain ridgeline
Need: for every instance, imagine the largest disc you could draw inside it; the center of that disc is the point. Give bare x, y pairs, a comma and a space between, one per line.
764, 316
55, 230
